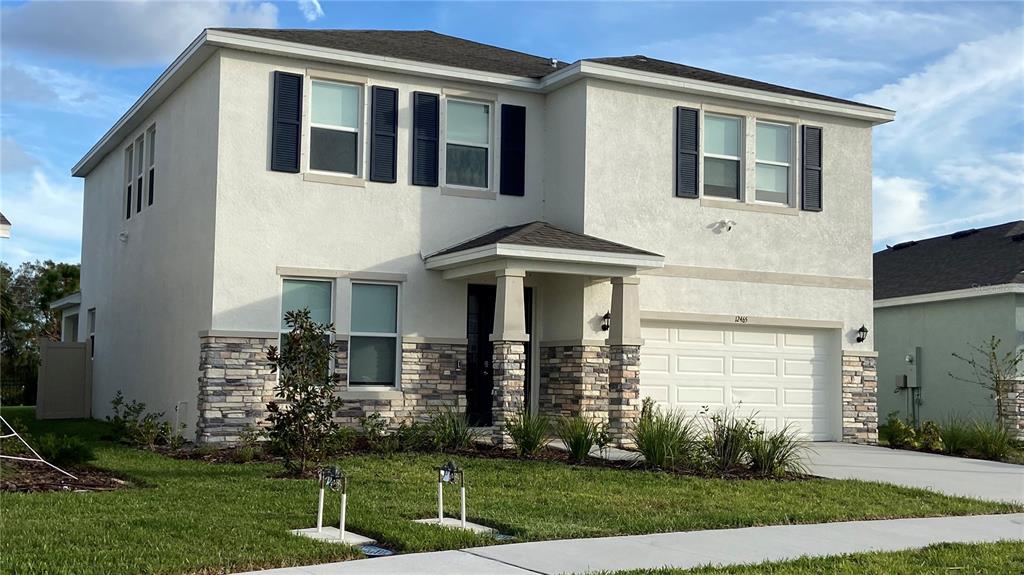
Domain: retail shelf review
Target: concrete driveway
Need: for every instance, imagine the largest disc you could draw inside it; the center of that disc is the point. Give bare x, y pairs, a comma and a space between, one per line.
950, 475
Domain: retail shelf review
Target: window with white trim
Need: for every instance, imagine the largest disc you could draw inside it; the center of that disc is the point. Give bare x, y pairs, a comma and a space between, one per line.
467, 144
334, 127
723, 150
129, 177
151, 162
91, 327
140, 162
373, 335
774, 150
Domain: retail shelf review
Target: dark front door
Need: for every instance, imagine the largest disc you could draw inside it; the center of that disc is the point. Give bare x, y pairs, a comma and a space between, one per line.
479, 373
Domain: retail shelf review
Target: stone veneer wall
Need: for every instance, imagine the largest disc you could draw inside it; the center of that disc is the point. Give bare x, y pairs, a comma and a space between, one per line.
1013, 402
860, 402
574, 380
235, 384
623, 392
509, 393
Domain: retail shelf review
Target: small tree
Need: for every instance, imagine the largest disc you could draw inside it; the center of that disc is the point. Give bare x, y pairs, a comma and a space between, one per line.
995, 371
302, 423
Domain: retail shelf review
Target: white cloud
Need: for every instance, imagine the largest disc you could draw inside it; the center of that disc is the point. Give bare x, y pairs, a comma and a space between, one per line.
129, 33
46, 217
899, 207
14, 158
67, 92
311, 10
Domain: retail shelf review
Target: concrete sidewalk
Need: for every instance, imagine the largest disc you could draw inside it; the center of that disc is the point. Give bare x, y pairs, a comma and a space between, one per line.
685, 550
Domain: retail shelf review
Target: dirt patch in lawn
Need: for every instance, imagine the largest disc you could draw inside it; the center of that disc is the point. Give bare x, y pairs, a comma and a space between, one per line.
28, 476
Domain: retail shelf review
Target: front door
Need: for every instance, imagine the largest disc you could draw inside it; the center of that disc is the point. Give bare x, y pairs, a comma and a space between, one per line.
480, 352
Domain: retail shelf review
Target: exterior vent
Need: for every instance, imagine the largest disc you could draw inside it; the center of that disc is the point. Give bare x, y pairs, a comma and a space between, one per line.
964, 233
904, 245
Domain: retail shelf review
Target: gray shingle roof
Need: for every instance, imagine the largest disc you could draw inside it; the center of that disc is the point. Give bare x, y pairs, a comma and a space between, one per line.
434, 48
971, 258
4, 221
545, 235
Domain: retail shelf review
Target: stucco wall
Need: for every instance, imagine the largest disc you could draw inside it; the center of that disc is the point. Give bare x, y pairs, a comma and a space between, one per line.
152, 293
940, 329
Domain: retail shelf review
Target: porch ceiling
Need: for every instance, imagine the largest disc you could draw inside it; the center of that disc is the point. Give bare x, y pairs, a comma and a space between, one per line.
541, 247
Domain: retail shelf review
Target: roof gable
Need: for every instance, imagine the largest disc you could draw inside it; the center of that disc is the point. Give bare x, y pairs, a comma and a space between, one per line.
544, 235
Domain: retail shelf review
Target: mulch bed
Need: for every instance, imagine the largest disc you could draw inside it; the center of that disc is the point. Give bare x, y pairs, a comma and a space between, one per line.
27, 477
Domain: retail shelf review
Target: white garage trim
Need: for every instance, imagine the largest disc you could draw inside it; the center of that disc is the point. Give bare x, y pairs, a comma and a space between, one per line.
649, 315
783, 374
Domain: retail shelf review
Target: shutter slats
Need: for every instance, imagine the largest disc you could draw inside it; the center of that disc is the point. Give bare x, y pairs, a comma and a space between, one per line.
425, 135
286, 131
513, 150
810, 174
687, 154
383, 134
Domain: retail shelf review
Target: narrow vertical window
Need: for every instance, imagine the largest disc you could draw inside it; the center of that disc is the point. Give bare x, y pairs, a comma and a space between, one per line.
334, 127
91, 326
140, 159
467, 144
128, 178
373, 341
774, 142
722, 164
151, 151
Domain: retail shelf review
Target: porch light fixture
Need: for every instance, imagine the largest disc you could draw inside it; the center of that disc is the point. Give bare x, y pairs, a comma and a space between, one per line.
862, 334
606, 321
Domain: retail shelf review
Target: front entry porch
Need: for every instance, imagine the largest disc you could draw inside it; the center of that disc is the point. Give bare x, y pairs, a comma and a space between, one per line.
575, 372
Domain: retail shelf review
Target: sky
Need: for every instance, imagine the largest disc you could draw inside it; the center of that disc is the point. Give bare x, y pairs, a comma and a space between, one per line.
953, 159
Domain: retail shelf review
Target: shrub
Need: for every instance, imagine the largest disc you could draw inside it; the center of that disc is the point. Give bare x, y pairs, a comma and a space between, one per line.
901, 434
416, 436
777, 453
132, 424
579, 434
244, 453
64, 450
375, 430
451, 430
956, 435
725, 441
529, 431
665, 439
991, 440
930, 437
303, 421
344, 439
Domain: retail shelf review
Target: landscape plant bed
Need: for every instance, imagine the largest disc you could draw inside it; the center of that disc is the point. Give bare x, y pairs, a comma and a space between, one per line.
30, 477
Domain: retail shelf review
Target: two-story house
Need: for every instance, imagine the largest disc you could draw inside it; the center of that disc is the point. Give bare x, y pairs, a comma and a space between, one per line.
486, 229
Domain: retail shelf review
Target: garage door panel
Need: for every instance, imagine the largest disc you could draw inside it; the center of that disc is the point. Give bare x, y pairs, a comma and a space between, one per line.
657, 362
755, 396
804, 367
654, 335
700, 364
754, 338
754, 366
688, 397
700, 336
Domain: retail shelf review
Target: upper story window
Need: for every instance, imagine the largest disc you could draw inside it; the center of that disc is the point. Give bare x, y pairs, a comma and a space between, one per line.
129, 155
722, 156
151, 162
140, 155
467, 144
373, 339
774, 150
139, 172
334, 127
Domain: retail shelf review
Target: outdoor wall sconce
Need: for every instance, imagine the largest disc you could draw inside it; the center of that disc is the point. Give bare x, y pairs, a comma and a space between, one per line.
450, 473
335, 480
606, 321
862, 334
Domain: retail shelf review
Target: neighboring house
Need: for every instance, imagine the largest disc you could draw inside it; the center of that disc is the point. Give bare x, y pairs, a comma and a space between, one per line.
486, 229
5, 227
940, 296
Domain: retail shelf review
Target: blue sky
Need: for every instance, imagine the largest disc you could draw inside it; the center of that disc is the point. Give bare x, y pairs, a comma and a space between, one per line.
954, 72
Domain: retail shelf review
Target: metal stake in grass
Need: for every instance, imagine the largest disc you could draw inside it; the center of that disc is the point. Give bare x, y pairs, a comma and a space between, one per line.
448, 473
335, 480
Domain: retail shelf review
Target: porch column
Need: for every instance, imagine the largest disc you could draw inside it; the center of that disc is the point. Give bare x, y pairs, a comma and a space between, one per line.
624, 359
509, 359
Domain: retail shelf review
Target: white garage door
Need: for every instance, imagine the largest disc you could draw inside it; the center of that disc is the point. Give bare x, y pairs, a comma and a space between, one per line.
785, 375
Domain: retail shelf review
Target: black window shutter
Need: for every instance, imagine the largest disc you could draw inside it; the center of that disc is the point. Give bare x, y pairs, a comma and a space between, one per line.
426, 119
513, 150
810, 175
383, 134
687, 154
286, 133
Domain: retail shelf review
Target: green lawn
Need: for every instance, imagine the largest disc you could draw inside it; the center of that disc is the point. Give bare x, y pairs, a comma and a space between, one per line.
946, 558
195, 517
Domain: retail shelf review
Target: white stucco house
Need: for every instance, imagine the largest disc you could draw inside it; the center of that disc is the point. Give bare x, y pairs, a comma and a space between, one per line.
486, 229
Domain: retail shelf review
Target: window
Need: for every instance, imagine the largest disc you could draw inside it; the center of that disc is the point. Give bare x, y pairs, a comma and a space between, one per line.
334, 127
722, 162
139, 171
315, 295
91, 326
151, 136
373, 338
773, 153
128, 178
467, 144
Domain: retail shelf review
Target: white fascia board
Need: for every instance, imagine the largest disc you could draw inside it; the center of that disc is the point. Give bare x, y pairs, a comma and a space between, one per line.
515, 251
67, 301
666, 82
950, 295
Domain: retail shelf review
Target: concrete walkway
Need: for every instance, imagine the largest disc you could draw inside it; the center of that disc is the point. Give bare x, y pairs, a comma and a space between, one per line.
976, 478
685, 550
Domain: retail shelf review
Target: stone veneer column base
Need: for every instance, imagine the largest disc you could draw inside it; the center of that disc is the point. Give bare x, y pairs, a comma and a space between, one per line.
623, 392
574, 381
235, 384
1013, 402
508, 396
860, 401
